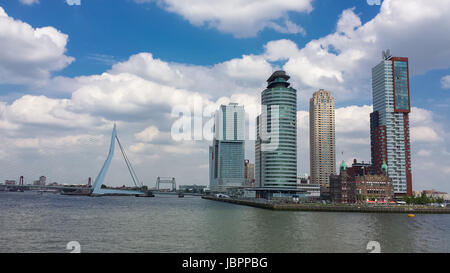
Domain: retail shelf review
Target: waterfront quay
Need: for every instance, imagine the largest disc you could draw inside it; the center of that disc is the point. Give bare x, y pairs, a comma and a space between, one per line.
317, 207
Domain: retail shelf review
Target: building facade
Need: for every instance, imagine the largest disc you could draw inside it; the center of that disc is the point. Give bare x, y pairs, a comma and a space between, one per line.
249, 173
360, 168
389, 122
276, 156
192, 188
433, 194
226, 155
10, 182
41, 182
374, 187
356, 184
322, 137
342, 186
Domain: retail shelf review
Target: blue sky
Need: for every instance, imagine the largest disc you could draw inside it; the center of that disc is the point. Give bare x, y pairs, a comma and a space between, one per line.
132, 61
119, 29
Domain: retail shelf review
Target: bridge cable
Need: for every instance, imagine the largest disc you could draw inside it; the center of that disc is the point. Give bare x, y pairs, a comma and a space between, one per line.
127, 161
136, 181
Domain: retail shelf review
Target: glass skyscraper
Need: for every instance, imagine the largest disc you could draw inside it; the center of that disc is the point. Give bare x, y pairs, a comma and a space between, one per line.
276, 155
226, 155
389, 122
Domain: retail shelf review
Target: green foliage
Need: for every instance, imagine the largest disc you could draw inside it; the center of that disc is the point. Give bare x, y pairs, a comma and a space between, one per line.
361, 197
422, 200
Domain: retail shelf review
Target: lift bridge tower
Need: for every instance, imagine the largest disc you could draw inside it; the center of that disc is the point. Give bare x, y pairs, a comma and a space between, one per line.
166, 180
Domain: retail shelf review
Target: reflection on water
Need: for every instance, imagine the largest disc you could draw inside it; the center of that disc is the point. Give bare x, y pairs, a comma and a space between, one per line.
46, 223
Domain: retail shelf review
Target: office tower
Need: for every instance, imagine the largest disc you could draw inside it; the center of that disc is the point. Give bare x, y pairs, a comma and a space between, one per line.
389, 122
226, 155
42, 180
322, 137
276, 157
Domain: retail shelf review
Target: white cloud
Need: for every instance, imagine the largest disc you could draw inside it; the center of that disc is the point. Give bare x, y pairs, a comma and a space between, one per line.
73, 2
44, 145
29, 2
424, 134
29, 54
446, 170
445, 82
280, 50
242, 18
128, 95
423, 126
424, 153
5, 124
148, 134
288, 28
348, 22
43, 111
353, 119
240, 75
342, 61
303, 120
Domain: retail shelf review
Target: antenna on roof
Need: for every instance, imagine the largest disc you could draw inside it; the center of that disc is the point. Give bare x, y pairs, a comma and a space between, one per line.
386, 55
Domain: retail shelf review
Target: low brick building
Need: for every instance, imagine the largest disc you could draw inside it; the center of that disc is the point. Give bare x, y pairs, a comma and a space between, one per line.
356, 184
374, 187
342, 186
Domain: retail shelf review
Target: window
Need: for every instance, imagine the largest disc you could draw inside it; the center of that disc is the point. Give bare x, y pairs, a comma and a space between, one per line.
401, 85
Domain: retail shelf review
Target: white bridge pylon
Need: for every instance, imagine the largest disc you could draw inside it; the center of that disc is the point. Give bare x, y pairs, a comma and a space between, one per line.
97, 187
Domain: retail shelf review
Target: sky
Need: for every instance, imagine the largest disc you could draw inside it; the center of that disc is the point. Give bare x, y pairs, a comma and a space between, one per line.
69, 69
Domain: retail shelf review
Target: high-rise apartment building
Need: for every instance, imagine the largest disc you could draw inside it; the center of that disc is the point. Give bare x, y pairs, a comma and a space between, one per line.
322, 137
276, 139
389, 122
226, 155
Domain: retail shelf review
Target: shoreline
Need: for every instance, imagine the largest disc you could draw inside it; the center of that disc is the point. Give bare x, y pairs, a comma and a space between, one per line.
333, 208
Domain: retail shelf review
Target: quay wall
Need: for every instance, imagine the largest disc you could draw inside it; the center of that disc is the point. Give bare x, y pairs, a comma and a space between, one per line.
333, 208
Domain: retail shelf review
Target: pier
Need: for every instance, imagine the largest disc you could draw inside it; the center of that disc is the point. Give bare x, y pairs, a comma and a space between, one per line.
361, 208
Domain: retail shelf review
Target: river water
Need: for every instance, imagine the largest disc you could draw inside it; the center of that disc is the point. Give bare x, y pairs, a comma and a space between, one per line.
30, 222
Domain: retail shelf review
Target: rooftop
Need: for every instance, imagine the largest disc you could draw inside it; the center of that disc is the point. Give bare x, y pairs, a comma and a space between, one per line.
278, 74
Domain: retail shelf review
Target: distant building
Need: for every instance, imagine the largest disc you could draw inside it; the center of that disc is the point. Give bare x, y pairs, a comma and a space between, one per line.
302, 181
275, 193
322, 137
374, 187
311, 191
389, 122
40, 182
276, 167
193, 188
226, 155
356, 184
342, 186
433, 194
10, 182
249, 173
360, 168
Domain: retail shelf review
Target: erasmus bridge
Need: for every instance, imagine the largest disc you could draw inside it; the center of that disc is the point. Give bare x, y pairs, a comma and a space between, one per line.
97, 186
